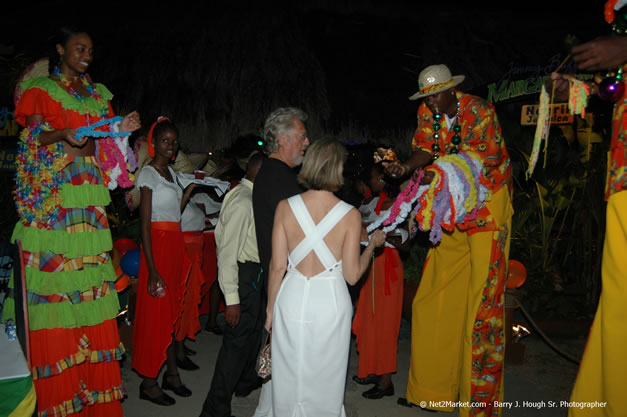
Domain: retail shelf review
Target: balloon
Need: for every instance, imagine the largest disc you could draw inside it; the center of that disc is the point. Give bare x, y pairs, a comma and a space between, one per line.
124, 245
130, 263
517, 274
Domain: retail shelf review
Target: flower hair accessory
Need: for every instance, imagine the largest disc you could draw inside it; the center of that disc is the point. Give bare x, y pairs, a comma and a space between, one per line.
384, 154
151, 147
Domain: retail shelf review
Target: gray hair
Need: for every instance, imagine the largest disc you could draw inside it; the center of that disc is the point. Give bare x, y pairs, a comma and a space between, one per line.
280, 121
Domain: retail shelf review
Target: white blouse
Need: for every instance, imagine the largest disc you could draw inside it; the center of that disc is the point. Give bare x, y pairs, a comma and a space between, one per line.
368, 215
193, 217
166, 195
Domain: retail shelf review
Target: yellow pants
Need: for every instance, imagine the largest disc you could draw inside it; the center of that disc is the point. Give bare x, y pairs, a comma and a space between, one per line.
445, 308
600, 386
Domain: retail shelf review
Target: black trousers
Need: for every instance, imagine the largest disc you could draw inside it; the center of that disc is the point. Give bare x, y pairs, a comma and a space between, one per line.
235, 366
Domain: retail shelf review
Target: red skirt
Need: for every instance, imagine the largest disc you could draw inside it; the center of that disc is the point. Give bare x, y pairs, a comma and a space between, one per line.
210, 273
377, 320
190, 322
158, 319
94, 364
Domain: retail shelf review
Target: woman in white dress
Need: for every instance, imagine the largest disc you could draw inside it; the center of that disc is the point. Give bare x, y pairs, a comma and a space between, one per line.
315, 240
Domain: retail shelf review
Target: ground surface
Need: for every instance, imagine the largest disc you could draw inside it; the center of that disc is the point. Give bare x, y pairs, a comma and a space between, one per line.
534, 388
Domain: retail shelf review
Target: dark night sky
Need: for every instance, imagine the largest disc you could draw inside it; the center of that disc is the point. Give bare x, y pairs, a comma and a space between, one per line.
370, 53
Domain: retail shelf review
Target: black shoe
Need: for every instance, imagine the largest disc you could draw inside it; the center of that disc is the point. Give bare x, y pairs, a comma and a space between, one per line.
377, 392
186, 364
245, 392
188, 351
164, 399
370, 379
180, 390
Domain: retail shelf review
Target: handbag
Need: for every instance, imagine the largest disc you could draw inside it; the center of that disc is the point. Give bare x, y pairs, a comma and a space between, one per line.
264, 360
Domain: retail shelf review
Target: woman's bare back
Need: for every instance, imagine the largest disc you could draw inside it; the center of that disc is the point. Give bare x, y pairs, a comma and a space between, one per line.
318, 204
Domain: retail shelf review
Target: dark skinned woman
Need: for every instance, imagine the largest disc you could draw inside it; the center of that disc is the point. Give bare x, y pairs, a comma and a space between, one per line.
60, 196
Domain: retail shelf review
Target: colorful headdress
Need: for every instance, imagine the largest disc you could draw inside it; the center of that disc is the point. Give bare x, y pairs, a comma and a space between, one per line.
151, 146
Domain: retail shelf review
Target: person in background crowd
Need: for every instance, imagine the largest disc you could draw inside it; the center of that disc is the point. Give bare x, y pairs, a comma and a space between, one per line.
377, 319
163, 271
286, 140
239, 275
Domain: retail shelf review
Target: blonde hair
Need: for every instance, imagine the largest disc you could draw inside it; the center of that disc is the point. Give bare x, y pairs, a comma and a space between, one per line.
323, 165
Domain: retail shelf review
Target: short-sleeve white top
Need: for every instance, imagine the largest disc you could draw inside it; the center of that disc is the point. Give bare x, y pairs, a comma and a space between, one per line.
166, 195
193, 217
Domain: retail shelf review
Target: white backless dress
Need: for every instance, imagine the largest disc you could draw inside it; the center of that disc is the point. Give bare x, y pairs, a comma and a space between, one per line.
311, 326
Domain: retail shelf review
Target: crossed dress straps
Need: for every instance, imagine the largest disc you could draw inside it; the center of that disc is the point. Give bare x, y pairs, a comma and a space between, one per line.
315, 233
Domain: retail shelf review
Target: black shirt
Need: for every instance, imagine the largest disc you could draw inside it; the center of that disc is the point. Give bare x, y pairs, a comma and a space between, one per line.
275, 181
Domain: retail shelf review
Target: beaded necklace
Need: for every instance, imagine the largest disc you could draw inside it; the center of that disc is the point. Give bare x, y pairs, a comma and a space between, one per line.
455, 140
89, 86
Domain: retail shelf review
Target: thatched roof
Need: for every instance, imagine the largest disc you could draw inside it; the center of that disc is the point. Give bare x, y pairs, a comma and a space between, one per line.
218, 75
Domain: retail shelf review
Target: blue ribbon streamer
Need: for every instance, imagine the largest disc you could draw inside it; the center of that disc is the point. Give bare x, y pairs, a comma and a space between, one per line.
91, 129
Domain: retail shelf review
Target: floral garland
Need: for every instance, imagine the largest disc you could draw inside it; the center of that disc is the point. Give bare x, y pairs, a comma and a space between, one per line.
454, 196
89, 86
117, 159
112, 149
39, 178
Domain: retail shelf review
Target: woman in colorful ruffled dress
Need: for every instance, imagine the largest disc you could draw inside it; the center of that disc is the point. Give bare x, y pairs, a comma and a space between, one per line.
377, 319
163, 271
63, 229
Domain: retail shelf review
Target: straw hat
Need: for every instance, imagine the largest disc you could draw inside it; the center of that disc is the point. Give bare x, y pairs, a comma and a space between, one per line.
434, 79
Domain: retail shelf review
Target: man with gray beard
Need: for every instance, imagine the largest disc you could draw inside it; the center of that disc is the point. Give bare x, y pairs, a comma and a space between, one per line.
286, 141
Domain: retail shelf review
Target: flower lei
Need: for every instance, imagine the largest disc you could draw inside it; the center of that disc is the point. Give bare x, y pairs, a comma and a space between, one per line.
112, 149
117, 159
454, 196
89, 86
39, 178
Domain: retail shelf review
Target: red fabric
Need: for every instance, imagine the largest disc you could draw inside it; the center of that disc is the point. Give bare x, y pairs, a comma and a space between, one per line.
617, 162
382, 198
97, 376
190, 322
210, 272
377, 330
157, 319
35, 101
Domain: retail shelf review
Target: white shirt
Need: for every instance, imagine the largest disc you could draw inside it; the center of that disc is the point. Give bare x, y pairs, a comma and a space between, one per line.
193, 217
166, 195
236, 239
